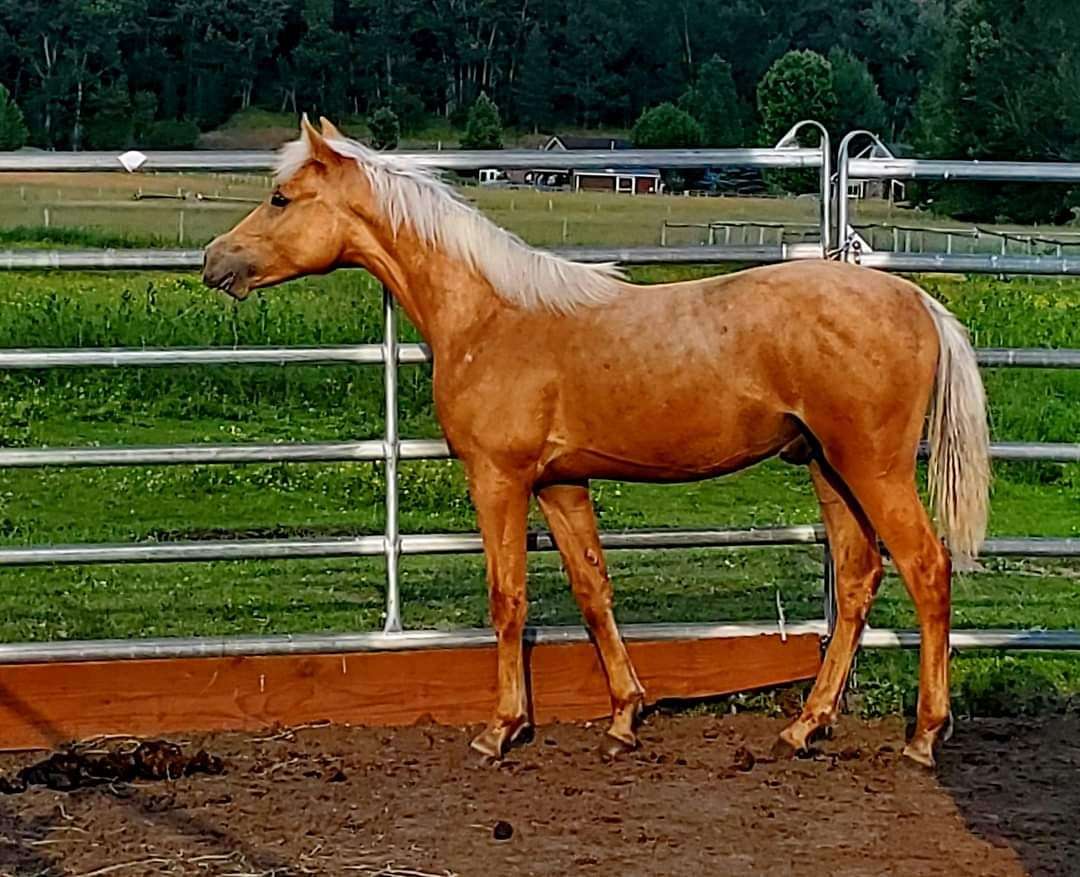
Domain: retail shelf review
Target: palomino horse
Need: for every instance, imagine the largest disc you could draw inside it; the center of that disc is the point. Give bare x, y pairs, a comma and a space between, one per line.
548, 373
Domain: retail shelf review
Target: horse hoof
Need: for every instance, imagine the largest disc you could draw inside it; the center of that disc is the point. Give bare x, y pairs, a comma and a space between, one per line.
784, 751
922, 756
613, 747
488, 744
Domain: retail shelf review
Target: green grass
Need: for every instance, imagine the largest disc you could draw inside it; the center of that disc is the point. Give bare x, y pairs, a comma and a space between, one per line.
300, 403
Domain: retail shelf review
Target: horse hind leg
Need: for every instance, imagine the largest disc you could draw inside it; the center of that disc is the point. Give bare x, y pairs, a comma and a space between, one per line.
853, 544
924, 564
890, 502
570, 515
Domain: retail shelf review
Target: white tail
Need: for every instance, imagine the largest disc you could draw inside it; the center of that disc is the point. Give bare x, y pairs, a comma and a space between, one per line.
959, 438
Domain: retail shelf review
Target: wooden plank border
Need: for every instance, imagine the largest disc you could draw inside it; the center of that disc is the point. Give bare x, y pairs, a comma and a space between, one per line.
46, 705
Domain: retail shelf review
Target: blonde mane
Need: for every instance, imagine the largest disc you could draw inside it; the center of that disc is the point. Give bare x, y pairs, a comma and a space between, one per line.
410, 193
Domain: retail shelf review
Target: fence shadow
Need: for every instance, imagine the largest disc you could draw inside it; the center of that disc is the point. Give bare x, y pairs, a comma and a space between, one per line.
18, 851
20, 835
1016, 782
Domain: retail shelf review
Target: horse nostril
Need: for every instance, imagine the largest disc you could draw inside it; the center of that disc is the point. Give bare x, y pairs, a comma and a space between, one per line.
219, 265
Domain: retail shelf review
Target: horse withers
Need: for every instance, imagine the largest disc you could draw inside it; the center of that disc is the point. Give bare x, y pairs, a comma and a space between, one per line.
549, 373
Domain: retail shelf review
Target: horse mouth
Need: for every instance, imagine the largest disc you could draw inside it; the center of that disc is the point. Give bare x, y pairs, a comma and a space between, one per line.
225, 284
229, 284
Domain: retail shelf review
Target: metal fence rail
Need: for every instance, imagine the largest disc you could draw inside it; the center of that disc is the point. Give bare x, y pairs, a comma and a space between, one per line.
359, 451
915, 263
114, 357
391, 449
933, 169
366, 354
970, 263
262, 161
881, 165
459, 543
191, 260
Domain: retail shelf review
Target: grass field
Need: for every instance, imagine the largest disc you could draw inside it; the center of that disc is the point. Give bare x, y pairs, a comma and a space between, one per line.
225, 404
146, 207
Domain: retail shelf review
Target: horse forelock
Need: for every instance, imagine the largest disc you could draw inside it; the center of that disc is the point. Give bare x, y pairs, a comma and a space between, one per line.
408, 192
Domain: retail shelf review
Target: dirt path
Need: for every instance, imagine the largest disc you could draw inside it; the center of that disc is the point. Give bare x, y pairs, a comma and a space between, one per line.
341, 801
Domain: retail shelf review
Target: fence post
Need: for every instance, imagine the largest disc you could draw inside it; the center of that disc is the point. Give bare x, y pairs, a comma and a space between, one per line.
392, 449
825, 194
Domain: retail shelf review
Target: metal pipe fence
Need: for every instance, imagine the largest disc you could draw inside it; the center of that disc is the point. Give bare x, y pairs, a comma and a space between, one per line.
191, 260
880, 165
264, 161
152, 648
391, 449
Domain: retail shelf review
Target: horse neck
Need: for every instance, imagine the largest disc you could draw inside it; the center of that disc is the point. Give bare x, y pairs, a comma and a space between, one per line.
443, 297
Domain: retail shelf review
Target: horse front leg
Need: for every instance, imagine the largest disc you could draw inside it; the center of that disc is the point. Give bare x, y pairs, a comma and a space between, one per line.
502, 501
569, 512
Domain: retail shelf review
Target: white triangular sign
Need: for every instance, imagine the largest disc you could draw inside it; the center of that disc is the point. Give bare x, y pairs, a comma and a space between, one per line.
132, 160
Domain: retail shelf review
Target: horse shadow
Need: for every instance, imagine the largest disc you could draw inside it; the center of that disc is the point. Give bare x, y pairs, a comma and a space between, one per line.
1016, 784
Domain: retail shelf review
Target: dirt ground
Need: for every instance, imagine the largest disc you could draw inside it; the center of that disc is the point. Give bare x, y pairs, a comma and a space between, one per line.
701, 797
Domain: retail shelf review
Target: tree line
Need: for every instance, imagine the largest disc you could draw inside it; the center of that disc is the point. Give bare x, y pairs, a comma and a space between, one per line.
86, 71
955, 78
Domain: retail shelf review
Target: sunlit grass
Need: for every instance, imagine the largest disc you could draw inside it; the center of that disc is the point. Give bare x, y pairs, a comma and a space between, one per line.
69, 407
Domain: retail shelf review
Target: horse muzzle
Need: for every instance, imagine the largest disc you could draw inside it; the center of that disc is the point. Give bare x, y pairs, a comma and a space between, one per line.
227, 268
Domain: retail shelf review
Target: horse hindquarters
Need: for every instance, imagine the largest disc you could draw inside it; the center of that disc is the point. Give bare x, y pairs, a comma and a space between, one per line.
871, 443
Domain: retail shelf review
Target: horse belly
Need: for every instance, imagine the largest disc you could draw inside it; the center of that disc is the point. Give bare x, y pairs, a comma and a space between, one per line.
684, 446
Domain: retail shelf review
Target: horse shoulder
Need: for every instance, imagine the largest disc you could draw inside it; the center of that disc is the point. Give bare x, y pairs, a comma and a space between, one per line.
495, 396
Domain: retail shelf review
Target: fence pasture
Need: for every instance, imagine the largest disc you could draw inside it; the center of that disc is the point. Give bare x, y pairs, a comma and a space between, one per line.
768, 246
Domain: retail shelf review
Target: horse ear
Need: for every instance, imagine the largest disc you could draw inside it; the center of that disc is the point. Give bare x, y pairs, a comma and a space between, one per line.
318, 149
330, 130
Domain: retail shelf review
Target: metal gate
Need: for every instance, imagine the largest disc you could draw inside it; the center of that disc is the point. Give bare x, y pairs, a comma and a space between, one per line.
390, 448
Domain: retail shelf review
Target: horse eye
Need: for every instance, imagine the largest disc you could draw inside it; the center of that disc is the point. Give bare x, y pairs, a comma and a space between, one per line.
278, 200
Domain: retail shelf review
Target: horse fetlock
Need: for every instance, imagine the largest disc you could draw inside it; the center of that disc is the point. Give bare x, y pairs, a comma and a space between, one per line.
797, 736
921, 751
615, 745
497, 737
929, 734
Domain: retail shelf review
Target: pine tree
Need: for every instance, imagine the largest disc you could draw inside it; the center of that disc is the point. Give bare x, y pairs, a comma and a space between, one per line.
713, 101
859, 101
385, 128
535, 83
13, 133
484, 128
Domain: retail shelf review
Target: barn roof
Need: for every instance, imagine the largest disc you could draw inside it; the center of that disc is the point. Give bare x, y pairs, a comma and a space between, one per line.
572, 142
619, 171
